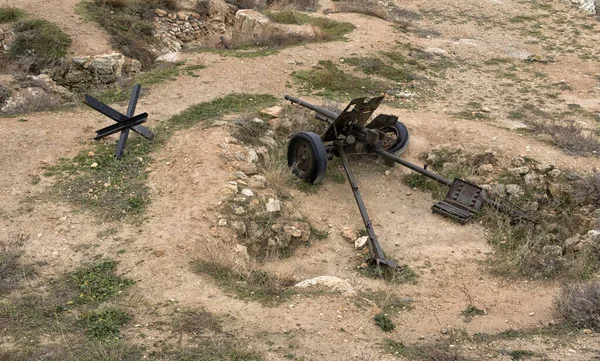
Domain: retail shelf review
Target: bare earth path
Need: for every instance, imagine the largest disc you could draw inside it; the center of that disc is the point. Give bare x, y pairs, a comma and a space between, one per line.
188, 174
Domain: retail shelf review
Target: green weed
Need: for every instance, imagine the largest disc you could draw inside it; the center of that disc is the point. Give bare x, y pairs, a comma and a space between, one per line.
326, 79
98, 282
11, 14
105, 323
38, 43
255, 285
384, 322
375, 66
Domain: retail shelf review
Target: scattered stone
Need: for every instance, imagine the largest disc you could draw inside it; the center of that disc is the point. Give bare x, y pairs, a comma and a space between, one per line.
91, 154
249, 169
387, 173
94, 165
291, 232
336, 283
239, 199
518, 171
273, 112
252, 156
182, 16
349, 234
257, 181
240, 175
268, 141
587, 331
222, 222
437, 51
515, 190
544, 167
230, 189
257, 121
518, 161
242, 251
238, 226
554, 173
361, 242
160, 12
552, 251
405, 95
247, 192
239, 210
273, 205
485, 169
531, 178
275, 123
500, 190
486, 110
537, 58
171, 57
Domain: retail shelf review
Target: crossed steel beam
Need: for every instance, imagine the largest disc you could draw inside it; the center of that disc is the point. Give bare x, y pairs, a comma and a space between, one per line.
124, 122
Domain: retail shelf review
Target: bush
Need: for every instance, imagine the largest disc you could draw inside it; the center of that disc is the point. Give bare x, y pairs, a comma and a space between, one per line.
4, 94
40, 43
9, 15
384, 322
129, 23
579, 304
105, 323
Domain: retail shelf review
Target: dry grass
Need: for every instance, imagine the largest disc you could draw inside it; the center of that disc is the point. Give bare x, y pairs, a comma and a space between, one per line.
12, 271
571, 137
34, 103
253, 284
113, 3
392, 13
427, 352
579, 304
137, 38
39, 44
302, 5
4, 94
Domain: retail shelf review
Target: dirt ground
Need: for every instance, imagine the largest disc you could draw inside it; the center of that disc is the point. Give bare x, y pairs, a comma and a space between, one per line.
188, 174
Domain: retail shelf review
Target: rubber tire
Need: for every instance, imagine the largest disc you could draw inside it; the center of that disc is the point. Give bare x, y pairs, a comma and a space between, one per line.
319, 155
403, 139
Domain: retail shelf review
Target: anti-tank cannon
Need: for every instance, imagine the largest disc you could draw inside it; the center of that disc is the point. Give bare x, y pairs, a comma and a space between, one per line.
348, 133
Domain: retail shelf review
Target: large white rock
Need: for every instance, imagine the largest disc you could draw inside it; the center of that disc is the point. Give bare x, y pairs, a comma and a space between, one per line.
172, 57
336, 283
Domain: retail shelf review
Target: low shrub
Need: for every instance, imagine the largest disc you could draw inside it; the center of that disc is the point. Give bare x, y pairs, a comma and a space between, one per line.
39, 44
579, 304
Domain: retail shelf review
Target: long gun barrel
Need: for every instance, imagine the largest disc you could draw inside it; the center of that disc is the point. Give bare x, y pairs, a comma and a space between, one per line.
326, 113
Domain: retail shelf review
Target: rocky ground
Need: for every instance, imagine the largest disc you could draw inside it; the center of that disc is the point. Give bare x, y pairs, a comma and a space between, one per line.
505, 55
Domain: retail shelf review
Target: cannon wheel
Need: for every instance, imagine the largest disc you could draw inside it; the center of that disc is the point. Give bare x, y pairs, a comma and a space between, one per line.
307, 157
396, 138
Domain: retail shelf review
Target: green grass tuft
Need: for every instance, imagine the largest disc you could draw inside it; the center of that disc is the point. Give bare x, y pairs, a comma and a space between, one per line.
255, 285
326, 79
11, 14
375, 66
98, 282
38, 43
105, 323
384, 322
